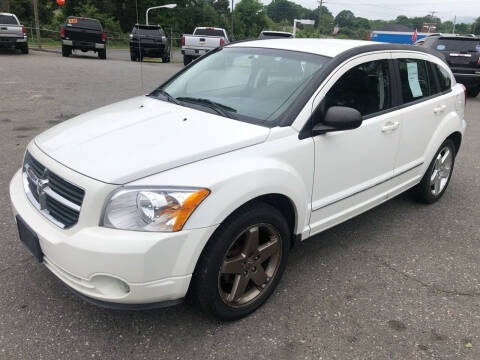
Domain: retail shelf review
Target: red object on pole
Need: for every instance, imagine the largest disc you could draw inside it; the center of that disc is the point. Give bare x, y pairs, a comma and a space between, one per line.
414, 36
61, 2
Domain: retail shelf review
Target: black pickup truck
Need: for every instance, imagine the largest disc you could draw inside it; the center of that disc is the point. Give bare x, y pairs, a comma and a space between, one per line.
149, 40
83, 34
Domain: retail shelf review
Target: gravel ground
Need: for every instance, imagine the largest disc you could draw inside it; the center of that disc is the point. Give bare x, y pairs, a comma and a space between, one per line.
398, 282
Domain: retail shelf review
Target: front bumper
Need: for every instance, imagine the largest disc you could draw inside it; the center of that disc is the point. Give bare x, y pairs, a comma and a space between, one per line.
108, 265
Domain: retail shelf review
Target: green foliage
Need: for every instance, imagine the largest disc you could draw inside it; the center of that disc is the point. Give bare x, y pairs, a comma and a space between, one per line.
250, 17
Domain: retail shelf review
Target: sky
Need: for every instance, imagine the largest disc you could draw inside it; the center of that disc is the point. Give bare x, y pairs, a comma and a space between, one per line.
390, 9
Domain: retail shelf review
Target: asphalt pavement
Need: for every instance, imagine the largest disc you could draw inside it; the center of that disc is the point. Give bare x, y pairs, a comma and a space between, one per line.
398, 282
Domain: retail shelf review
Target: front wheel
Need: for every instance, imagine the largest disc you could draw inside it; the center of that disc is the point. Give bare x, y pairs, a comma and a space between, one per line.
438, 175
242, 263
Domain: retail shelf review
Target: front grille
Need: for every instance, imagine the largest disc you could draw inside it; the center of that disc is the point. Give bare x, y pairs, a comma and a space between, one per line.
56, 198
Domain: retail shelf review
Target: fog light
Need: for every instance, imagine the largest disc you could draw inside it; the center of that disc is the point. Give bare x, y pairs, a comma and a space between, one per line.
110, 286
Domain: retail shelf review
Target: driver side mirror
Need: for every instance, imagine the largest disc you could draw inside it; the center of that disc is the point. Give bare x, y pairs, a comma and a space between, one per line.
338, 118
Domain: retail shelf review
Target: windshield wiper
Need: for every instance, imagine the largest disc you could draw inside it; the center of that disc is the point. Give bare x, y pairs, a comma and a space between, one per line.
165, 94
221, 109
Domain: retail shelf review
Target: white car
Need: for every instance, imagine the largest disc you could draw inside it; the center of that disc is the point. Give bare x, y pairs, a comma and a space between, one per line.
203, 186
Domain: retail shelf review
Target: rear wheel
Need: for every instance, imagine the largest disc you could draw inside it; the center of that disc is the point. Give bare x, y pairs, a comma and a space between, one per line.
133, 56
102, 54
25, 49
66, 51
438, 175
166, 58
242, 263
187, 59
473, 92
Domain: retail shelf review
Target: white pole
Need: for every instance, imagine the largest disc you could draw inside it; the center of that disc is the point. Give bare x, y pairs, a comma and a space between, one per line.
294, 27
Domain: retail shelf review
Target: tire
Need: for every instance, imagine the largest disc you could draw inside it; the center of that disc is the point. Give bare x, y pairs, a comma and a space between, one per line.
102, 54
429, 191
66, 51
473, 92
133, 56
166, 58
187, 60
25, 49
213, 282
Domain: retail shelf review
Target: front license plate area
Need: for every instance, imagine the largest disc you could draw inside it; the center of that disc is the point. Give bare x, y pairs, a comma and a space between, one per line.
29, 239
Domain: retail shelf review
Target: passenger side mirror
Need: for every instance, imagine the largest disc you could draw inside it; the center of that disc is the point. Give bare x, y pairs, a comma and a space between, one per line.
338, 118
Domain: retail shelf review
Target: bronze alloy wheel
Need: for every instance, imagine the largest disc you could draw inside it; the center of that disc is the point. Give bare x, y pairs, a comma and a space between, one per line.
249, 265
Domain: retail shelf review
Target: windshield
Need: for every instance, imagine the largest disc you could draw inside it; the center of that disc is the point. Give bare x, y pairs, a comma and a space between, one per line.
251, 84
460, 45
209, 32
8, 20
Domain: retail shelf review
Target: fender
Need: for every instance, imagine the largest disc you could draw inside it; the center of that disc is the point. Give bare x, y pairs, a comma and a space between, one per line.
450, 124
235, 178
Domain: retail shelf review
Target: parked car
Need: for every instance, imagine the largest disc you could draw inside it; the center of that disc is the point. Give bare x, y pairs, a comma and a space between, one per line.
267, 34
149, 40
203, 40
85, 34
13, 35
203, 186
462, 54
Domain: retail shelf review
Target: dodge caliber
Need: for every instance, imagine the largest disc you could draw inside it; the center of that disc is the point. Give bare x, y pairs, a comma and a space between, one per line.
202, 187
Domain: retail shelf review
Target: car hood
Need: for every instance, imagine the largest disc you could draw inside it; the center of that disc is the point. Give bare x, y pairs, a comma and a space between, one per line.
142, 136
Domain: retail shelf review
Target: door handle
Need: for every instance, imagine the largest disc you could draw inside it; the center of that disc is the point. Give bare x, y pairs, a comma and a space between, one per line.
391, 126
439, 109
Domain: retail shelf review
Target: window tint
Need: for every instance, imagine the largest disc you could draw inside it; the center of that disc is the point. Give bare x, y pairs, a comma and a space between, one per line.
209, 32
148, 30
443, 78
417, 79
459, 44
365, 88
84, 23
8, 20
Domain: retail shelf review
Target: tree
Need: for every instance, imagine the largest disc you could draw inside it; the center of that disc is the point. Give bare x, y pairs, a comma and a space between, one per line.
345, 18
253, 18
476, 27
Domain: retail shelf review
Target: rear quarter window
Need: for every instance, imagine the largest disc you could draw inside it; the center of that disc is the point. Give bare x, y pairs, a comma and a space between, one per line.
443, 77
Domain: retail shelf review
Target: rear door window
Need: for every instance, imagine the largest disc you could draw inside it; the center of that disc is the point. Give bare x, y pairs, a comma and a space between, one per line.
366, 88
8, 20
417, 79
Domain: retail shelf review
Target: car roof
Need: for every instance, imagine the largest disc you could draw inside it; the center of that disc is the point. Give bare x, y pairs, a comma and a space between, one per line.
8, 14
326, 47
275, 32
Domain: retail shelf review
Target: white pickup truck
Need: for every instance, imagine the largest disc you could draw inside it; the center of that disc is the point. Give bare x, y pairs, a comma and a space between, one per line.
12, 33
203, 40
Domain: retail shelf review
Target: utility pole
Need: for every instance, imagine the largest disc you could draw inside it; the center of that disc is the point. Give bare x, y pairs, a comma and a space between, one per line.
431, 20
320, 8
231, 30
454, 23
37, 25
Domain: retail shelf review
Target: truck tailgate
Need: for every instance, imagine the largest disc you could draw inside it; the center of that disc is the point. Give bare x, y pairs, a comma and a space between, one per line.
11, 31
83, 35
201, 42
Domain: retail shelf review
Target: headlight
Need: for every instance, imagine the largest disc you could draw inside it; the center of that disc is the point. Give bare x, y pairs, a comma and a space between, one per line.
151, 209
